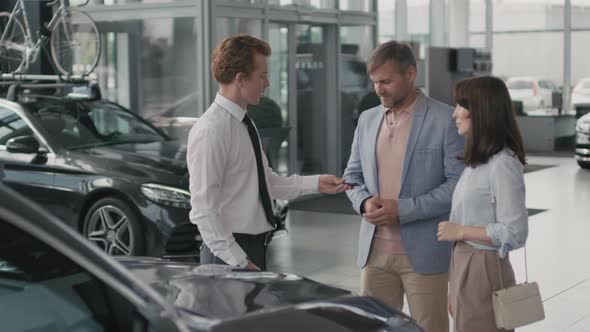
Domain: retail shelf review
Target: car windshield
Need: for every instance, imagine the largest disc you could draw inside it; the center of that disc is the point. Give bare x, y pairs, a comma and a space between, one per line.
520, 85
86, 124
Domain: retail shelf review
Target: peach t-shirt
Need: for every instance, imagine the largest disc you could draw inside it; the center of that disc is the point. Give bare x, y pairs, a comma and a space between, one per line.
391, 150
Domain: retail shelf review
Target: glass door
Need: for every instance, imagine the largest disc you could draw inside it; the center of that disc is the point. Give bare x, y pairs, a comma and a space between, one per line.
278, 91
311, 89
299, 85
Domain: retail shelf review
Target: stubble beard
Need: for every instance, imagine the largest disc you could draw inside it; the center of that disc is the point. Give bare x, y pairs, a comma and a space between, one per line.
388, 101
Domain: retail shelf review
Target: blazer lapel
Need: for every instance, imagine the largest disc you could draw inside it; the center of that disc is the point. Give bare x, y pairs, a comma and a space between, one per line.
417, 122
374, 128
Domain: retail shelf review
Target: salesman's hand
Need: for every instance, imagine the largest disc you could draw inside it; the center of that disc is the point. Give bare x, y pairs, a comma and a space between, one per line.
387, 213
331, 184
252, 266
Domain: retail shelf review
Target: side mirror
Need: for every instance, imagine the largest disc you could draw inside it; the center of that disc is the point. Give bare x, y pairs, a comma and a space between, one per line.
22, 144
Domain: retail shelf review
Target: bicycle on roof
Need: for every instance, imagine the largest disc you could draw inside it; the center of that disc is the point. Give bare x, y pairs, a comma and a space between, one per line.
72, 35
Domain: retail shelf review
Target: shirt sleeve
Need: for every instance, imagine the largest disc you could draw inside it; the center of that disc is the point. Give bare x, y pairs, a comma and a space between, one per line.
283, 187
206, 158
354, 171
510, 230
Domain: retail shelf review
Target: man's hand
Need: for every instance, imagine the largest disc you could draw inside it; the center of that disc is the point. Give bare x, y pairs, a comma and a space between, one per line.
387, 213
450, 232
372, 204
252, 266
331, 184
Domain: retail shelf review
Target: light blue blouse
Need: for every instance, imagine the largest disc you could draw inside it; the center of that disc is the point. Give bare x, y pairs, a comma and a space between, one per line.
492, 195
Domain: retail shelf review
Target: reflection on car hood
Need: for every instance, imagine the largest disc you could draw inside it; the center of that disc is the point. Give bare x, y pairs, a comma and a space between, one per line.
218, 291
143, 159
242, 300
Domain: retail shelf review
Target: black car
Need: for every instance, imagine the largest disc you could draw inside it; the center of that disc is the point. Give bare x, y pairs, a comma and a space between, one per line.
101, 169
51, 279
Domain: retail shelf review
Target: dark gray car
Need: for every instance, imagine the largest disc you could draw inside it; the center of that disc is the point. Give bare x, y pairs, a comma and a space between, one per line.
52, 279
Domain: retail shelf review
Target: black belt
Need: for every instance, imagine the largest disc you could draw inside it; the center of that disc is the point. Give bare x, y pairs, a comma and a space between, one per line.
266, 237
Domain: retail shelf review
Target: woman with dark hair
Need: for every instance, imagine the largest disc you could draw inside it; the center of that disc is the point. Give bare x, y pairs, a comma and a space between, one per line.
488, 217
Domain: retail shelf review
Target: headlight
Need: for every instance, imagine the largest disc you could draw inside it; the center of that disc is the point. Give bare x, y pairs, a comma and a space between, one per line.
167, 195
583, 126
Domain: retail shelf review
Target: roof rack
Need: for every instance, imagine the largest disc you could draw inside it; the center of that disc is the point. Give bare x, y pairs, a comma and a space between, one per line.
18, 84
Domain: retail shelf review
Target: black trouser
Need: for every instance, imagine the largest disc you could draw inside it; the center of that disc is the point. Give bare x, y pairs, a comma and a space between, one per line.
253, 245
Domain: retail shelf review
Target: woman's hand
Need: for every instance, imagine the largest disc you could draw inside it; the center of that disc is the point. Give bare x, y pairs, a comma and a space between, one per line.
450, 232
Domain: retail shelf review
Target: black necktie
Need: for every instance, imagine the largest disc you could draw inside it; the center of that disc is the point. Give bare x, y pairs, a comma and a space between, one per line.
262, 188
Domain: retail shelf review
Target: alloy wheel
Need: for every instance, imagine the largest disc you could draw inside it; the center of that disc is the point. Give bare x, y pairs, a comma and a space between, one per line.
108, 228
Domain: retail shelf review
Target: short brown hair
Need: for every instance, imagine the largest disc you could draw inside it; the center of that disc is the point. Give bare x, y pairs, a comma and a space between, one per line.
399, 53
493, 123
235, 55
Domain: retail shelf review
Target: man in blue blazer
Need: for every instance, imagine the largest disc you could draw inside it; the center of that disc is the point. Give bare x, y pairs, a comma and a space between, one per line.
405, 160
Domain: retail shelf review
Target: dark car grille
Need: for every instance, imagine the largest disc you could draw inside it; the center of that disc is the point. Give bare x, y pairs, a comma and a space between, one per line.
184, 239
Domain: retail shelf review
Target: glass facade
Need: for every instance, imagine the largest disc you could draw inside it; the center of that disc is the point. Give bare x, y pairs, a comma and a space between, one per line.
419, 21
149, 65
538, 54
386, 20
580, 14
311, 87
319, 4
278, 91
229, 26
355, 85
581, 55
358, 5
477, 16
121, 2
157, 62
515, 15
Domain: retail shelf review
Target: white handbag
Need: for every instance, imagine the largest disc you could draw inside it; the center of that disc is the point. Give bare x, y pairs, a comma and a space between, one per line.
518, 305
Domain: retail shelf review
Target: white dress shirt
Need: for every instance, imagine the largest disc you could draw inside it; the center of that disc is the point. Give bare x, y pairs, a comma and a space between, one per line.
224, 181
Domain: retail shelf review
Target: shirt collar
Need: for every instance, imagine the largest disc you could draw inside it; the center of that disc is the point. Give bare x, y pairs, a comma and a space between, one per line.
228, 105
411, 108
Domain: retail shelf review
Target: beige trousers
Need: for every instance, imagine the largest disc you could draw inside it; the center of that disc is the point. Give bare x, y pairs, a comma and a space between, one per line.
387, 277
474, 277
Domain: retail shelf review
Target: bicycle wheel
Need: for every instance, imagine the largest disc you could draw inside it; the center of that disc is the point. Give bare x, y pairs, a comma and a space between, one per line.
12, 44
75, 43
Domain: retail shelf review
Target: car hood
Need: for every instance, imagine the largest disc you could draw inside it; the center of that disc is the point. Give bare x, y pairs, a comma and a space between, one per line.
162, 161
219, 291
236, 298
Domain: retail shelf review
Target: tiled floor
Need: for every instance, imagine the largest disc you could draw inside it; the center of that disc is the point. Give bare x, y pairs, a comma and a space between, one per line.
322, 246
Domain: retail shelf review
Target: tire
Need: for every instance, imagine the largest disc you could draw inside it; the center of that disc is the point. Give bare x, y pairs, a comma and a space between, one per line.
75, 43
584, 164
12, 49
115, 227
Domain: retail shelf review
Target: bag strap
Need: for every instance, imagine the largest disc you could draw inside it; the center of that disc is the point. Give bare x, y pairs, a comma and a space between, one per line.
526, 269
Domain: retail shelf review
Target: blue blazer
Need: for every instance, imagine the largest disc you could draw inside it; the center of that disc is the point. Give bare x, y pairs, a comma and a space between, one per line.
431, 171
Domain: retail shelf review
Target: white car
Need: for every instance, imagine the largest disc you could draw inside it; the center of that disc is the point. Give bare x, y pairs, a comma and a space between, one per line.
581, 96
534, 93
